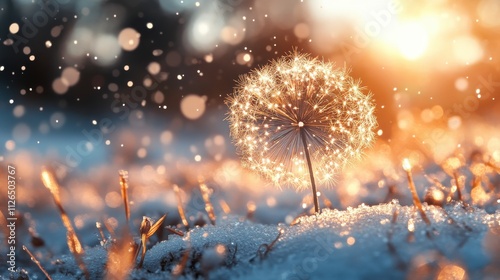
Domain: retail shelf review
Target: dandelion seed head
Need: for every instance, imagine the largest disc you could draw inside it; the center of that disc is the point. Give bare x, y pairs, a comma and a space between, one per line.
271, 105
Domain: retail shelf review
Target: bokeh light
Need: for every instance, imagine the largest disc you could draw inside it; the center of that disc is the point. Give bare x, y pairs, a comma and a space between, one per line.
129, 39
193, 106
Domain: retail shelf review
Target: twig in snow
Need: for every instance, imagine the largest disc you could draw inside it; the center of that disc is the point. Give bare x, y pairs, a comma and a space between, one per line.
175, 231
264, 249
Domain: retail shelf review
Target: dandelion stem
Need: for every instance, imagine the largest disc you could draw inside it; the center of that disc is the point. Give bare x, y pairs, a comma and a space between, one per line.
311, 175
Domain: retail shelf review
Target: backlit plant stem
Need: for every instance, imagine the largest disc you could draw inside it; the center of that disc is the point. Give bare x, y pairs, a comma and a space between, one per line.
311, 175
35, 260
124, 187
411, 184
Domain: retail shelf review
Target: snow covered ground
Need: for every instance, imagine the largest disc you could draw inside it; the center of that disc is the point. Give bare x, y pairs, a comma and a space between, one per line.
387, 241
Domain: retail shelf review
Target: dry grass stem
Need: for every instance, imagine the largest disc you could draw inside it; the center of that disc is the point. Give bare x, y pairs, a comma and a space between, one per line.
225, 207
147, 230
264, 249
35, 260
459, 189
436, 182
180, 206
411, 184
124, 190
101, 233
109, 228
205, 193
73, 242
175, 231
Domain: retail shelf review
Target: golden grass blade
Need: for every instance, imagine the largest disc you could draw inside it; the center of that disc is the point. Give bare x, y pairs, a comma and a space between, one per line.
76, 249
124, 187
147, 230
155, 226
74, 245
50, 182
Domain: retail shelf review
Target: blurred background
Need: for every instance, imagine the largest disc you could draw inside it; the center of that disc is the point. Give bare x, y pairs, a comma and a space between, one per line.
92, 87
